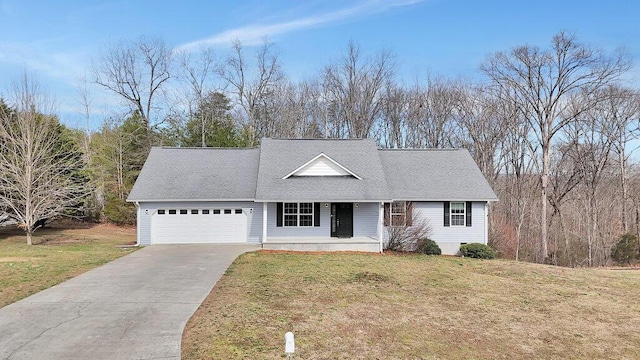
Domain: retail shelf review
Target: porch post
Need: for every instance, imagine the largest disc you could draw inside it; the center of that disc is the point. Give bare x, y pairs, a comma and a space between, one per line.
380, 223
264, 222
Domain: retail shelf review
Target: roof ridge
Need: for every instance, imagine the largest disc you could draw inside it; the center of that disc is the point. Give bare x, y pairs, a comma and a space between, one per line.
428, 149
321, 139
204, 148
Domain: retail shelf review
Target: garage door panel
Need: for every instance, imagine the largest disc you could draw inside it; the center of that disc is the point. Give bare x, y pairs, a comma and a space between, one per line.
198, 228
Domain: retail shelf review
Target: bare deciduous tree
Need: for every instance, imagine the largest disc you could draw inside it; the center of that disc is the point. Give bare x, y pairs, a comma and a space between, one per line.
252, 89
515, 167
431, 115
136, 72
197, 72
543, 81
483, 121
39, 174
393, 130
292, 111
85, 99
621, 107
353, 90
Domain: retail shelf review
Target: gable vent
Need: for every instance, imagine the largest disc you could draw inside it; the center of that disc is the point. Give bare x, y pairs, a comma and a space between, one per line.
322, 165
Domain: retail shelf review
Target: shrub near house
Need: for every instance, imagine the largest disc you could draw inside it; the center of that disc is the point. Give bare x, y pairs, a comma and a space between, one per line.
477, 251
428, 247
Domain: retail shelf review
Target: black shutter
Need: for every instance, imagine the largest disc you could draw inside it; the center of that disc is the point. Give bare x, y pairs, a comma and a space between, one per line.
447, 213
468, 213
316, 214
279, 215
387, 213
409, 213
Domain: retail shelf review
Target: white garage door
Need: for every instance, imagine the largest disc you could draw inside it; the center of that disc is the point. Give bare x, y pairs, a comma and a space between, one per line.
191, 226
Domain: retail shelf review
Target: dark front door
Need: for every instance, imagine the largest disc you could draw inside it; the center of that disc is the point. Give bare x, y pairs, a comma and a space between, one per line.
342, 220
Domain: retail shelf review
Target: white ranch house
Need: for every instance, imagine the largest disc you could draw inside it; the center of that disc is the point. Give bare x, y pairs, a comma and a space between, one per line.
308, 195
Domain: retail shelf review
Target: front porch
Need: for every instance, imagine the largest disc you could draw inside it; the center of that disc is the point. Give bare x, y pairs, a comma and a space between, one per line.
363, 244
322, 226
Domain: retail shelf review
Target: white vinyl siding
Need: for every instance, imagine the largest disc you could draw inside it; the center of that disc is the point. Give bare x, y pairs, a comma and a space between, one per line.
449, 238
144, 224
365, 220
290, 231
321, 167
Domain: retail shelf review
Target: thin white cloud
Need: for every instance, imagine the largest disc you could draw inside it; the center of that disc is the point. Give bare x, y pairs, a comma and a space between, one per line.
67, 66
255, 34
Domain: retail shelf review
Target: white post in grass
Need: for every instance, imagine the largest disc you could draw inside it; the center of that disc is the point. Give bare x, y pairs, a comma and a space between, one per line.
289, 344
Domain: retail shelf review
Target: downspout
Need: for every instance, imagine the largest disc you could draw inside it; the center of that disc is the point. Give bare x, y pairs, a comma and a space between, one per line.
137, 223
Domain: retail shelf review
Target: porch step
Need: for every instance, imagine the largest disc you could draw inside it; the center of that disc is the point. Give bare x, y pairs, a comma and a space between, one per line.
367, 245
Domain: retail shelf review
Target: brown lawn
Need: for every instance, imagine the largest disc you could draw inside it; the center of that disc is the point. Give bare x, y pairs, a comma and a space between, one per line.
357, 306
58, 254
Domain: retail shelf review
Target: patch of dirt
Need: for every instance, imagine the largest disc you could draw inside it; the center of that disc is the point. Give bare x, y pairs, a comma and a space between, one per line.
129, 245
400, 253
62, 240
16, 259
316, 252
371, 276
411, 253
71, 225
70, 233
109, 226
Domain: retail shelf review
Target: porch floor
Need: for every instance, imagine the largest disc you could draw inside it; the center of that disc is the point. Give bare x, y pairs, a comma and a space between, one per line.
365, 244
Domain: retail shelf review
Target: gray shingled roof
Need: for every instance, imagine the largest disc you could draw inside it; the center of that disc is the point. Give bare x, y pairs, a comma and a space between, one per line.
257, 174
434, 175
197, 174
278, 158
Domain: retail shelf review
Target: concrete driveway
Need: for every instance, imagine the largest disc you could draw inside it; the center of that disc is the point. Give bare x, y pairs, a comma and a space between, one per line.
132, 308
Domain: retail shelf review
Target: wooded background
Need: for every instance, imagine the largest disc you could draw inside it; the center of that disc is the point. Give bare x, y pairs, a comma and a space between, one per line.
553, 128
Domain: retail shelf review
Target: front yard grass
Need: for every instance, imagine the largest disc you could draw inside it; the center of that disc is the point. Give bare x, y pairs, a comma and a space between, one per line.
57, 255
358, 306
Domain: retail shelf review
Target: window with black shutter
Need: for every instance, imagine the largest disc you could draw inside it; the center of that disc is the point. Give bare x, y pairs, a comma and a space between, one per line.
457, 213
297, 215
398, 213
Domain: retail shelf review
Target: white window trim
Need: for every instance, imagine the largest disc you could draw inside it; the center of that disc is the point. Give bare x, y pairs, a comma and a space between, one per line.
403, 213
464, 213
297, 214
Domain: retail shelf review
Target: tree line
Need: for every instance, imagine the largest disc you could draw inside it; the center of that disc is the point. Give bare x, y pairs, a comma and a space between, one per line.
553, 128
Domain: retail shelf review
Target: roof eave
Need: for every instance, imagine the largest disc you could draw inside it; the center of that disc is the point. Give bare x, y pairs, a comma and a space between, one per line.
325, 200
447, 199
192, 200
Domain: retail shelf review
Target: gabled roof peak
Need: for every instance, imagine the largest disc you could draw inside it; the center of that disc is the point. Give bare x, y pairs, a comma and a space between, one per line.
424, 150
322, 165
319, 139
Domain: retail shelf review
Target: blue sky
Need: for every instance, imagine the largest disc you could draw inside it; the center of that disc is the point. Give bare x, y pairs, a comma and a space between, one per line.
55, 41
